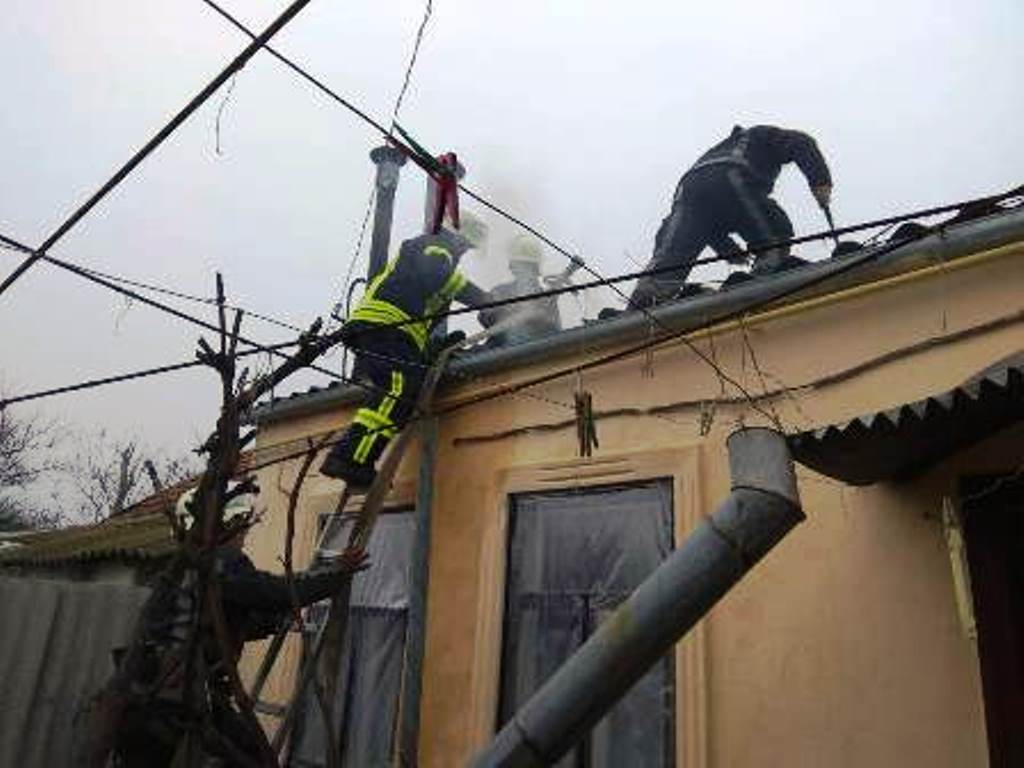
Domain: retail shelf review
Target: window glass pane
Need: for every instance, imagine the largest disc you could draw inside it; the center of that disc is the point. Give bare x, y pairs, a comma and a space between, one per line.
370, 669
573, 557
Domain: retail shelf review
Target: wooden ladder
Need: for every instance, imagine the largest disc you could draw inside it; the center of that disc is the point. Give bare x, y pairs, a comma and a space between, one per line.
331, 634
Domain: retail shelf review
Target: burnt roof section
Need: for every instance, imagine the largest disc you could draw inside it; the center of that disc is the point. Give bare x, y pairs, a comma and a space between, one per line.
956, 239
899, 443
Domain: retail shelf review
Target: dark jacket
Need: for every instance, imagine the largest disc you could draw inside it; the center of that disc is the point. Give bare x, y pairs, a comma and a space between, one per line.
421, 281
255, 601
761, 151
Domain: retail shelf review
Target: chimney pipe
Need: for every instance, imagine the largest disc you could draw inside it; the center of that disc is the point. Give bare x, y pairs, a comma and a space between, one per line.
388, 160
760, 511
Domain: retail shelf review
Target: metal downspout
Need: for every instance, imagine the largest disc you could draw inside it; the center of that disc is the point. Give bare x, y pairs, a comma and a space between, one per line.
419, 583
762, 508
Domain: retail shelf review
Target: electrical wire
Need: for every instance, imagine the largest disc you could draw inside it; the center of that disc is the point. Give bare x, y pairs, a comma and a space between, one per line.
550, 292
578, 261
347, 283
427, 10
114, 379
175, 312
754, 306
516, 388
386, 134
14, 245
175, 122
193, 298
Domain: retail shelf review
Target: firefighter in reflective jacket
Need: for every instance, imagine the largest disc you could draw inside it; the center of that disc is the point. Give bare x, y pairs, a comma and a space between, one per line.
728, 191
389, 331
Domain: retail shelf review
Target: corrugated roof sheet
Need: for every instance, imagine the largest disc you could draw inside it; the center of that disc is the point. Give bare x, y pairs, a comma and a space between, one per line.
126, 537
140, 532
55, 644
900, 442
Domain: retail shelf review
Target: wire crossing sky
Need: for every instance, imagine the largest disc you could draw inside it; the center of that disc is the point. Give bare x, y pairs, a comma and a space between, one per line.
586, 146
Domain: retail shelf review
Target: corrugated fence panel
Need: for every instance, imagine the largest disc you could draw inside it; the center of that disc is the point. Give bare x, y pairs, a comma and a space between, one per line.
55, 644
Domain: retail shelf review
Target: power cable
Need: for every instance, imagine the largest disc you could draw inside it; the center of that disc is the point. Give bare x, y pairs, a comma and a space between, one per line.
122, 173
165, 307
195, 299
474, 195
428, 9
607, 281
114, 379
14, 245
614, 357
550, 292
853, 263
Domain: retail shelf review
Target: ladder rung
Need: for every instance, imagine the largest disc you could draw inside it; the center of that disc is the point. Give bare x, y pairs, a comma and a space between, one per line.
267, 708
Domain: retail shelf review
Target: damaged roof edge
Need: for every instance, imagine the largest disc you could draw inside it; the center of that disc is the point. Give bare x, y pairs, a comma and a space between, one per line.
953, 242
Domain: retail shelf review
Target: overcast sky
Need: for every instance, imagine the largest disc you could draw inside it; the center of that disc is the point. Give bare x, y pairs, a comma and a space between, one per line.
579, 116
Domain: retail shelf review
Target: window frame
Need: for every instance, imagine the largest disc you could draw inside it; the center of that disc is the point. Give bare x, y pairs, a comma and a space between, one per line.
589, 626
684, 465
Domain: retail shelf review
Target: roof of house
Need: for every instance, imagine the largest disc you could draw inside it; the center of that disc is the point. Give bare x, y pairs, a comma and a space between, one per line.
126, 538
954, 240
898, 443
139, 532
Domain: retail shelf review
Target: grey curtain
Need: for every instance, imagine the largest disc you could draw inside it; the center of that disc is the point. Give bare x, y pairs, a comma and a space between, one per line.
370, 671
573, 557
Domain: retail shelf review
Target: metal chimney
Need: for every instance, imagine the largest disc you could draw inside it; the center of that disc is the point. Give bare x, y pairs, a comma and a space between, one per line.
760, 511
388, 160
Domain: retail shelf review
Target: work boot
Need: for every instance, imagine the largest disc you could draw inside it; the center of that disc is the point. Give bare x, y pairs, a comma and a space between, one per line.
689, 290
736, 278
772, 263
338, 466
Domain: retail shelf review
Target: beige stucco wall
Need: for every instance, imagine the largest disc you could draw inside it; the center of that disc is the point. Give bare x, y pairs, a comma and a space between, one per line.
844, 647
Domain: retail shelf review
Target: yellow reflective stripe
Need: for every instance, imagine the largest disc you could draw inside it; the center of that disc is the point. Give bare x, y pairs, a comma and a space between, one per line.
371, 289
363, 448
455, 283
397, 383
374, 420
378, 422
380, 312
377, 310
377, 426
437, 250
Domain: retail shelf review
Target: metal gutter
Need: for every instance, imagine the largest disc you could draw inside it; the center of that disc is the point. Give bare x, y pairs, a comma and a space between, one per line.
954, 242
763, 507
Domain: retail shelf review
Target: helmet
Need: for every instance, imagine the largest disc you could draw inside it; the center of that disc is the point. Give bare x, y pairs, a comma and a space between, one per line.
525, 249
473, 228
238, 512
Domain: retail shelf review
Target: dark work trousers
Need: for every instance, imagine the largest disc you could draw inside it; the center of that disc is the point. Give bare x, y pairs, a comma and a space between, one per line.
395, 368
710, 204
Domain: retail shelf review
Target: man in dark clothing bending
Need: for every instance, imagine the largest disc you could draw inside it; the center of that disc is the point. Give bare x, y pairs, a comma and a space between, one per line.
144, 712
728, 191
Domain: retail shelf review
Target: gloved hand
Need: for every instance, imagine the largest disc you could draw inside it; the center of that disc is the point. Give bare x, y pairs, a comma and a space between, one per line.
437, 345
557, 281
823, 194
350, 561
738, 258
489, 316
